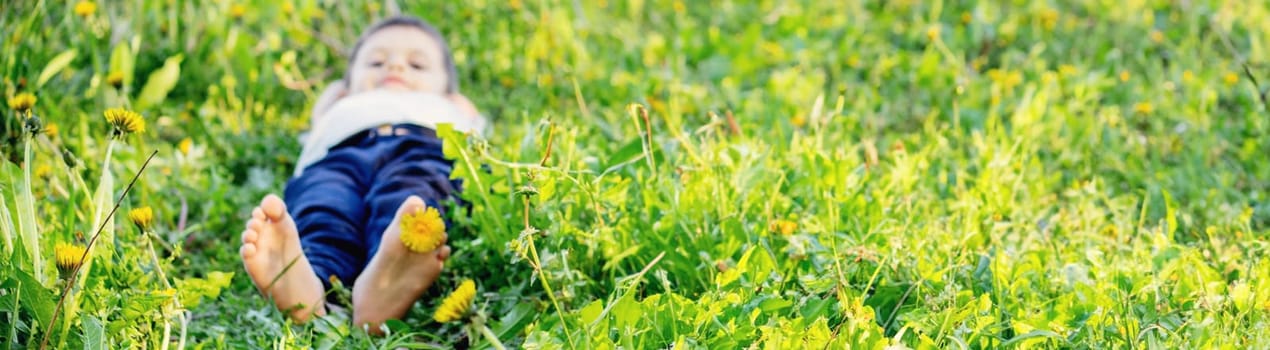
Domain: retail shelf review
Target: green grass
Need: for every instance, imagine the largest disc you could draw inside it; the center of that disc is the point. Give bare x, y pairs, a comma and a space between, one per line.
992, 174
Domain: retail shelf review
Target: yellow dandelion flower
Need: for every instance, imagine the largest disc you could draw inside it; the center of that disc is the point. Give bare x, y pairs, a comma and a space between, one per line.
288, 8
1067, 70
1124, 76
996, 75
422, 230
185, 146
67, 257
966, 18
1188, 76
85, 8
1049, 19
1143, 108
237, 10
853, 61
115, 79
43, 171
932, 32
457, 304
125, 121
1157, 36
1049, 76
50, 129
143, 217
22, 102
783, 227
1230, 79
798, 121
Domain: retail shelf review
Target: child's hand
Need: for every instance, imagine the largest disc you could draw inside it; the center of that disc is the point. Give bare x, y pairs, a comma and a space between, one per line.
333, 92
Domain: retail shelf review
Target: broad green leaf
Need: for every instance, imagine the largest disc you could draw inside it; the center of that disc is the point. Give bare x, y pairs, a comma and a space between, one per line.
55, 65
28, 228
94, 335
589, 313
774, 304
160, 83
36, 298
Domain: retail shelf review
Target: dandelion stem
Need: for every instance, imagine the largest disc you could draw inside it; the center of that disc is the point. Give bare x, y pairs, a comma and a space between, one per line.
493, 339
542, 276
154, 259
167, 334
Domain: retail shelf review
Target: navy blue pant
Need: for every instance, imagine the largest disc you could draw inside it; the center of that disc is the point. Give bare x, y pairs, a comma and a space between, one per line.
343, 203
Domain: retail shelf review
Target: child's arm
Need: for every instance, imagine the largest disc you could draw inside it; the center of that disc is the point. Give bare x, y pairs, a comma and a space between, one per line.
333, 92
465, 105
469, 110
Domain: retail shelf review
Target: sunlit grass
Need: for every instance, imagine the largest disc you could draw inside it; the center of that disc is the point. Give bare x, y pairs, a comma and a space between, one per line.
670, 173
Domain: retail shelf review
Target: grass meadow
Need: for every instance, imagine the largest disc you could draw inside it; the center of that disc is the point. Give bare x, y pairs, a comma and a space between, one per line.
669, 174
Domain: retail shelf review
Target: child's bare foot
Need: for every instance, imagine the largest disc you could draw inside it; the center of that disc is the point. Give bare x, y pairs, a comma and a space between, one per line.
270, 244
396, 276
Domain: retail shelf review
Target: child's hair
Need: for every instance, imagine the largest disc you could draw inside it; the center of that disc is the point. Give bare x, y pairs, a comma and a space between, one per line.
451, 86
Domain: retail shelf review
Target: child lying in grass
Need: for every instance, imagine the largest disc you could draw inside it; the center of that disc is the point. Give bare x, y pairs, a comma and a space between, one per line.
372, 157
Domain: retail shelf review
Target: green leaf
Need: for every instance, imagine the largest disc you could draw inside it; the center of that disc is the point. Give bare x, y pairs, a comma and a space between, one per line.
627, 311
591, 312
1030, 335
94, 334
160, 83
732, 274
55, 65
515, 320
774, 304
193, 290
7, 231
35, 297
628, 152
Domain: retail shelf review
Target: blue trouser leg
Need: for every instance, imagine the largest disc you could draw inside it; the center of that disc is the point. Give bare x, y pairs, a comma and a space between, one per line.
416, 167
326, 203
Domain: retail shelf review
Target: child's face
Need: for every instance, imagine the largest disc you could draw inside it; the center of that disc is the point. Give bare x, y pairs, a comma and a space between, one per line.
399, 58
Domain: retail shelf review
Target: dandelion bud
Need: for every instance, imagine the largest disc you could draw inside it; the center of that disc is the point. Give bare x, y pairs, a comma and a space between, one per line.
69, 158
33, 125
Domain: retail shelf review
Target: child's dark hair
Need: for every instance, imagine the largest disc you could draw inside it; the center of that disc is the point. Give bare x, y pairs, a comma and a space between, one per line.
451, 86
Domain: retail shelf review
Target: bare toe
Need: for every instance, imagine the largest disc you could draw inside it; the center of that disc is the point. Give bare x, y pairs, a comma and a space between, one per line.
273, 207
250, 236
